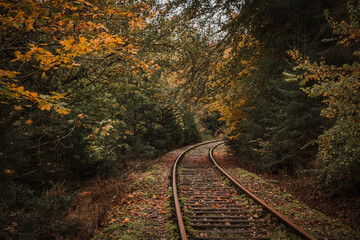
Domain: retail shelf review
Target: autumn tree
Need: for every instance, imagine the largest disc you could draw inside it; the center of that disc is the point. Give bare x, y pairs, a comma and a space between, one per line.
240, 70
81, 94
338, 86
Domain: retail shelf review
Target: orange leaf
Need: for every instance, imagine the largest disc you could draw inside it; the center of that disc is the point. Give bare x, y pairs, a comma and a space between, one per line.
20, 89
45, 105
63, 110
82, 115
8, 171
33, 95
18, 108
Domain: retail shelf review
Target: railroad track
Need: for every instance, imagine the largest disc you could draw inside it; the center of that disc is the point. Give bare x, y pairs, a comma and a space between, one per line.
211, 205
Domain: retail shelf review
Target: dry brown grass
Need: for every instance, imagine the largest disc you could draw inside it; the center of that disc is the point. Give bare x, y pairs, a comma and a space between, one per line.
94, 204
91, 206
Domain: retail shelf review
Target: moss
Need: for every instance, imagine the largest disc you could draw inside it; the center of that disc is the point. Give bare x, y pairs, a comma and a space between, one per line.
312, 221
282, 232
144, 213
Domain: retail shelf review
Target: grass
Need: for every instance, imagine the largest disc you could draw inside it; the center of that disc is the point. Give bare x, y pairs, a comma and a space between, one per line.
312, 221
146, 211
93, 204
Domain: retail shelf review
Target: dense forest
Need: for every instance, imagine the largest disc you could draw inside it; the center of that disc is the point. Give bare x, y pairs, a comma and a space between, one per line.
86, 87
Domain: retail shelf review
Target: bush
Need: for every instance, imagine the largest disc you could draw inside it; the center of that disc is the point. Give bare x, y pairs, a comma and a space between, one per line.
25, 214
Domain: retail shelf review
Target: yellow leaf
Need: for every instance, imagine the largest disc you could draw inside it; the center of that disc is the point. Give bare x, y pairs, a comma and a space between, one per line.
20, 89
63, 111
29, 122
45, 105
82, 39
57, 96
33, 96
18, 108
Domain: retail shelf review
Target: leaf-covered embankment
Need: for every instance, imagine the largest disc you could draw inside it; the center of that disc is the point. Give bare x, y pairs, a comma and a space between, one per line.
145, 212
275, 194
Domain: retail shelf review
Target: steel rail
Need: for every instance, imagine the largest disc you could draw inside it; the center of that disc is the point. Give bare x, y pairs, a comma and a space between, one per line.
175, 195
297, 230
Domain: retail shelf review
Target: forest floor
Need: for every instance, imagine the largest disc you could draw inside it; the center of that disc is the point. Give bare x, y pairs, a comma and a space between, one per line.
145, 210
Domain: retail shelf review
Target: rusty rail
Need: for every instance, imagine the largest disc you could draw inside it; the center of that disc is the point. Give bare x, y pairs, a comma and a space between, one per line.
296, 229
181, 225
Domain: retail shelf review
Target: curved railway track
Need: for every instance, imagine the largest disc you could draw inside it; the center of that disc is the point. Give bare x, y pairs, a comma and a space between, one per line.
210, 204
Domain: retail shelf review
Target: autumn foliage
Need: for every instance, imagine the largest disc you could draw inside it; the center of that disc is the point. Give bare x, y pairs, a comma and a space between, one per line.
305, 126
52, 40
86, 87
338, 86
80, 97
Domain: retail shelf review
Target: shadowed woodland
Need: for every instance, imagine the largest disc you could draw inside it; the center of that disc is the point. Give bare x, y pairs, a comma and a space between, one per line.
93, 91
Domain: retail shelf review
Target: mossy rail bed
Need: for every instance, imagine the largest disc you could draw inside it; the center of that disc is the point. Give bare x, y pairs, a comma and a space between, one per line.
146, 212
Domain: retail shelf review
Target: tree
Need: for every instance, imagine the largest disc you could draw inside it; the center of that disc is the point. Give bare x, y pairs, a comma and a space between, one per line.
241, 69
62, 65
338, 85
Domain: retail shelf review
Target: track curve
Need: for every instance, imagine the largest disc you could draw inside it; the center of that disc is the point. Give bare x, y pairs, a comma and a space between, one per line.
212, 209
